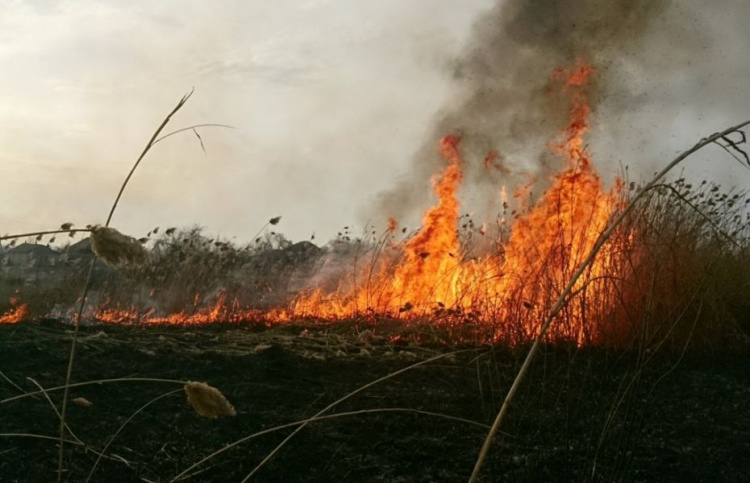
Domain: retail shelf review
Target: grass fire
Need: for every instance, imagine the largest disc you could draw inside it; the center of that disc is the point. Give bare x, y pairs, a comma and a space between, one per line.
548, 318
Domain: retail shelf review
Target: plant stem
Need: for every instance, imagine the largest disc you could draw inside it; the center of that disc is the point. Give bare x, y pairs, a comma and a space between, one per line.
87, 285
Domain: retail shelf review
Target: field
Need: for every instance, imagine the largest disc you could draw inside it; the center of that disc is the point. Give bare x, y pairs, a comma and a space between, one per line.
583, 414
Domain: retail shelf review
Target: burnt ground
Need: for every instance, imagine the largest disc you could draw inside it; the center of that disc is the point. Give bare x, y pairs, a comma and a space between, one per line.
582, 414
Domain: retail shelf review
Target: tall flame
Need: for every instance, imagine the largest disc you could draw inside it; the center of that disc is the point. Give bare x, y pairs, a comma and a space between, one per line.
511, 289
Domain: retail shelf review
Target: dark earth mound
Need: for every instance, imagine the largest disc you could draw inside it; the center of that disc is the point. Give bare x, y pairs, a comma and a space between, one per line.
582, 414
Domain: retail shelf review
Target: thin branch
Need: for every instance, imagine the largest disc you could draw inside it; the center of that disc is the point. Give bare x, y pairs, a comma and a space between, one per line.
10, 381
54, 408
38, 436
87, 284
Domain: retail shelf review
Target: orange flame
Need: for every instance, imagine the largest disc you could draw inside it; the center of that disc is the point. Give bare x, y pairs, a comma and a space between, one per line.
432, 274
15, 315
223, 310
513, 288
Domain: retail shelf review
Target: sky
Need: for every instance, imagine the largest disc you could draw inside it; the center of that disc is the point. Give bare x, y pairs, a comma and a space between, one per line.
329, 100
327, 97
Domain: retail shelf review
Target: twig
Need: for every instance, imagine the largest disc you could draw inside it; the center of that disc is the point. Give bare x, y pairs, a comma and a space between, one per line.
303, 423
145, 151
735, 146
54, 408
564, 296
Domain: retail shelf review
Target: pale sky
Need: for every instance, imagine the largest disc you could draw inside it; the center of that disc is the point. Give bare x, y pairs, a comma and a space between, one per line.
330, 99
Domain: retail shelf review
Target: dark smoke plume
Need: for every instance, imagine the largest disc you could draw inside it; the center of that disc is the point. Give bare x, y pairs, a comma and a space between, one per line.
503, 102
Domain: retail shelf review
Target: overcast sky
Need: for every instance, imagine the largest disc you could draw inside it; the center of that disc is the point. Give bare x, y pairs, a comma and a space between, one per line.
329, 98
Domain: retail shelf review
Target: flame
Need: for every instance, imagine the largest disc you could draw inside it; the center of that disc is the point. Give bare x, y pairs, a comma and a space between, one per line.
512, 289
16, 314
433, 275
223, 310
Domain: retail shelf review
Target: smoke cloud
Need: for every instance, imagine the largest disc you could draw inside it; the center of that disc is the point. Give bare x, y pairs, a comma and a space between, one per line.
646, 53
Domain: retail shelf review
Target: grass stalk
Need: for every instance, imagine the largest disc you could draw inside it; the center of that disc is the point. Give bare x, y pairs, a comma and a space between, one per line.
122, 426
185, 474
90, 383
87, 283
339, 401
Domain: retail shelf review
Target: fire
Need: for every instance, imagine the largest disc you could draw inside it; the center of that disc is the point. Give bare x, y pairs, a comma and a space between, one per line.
512, 289
221, 311
434, 276
16, 314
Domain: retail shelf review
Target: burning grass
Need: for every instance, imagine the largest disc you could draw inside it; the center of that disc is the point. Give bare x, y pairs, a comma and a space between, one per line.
673, 259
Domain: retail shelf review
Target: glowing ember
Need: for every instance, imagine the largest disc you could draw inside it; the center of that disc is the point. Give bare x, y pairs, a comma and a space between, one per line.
15, 315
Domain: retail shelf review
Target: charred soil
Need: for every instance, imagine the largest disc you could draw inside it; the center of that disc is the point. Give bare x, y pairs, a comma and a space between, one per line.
582, 414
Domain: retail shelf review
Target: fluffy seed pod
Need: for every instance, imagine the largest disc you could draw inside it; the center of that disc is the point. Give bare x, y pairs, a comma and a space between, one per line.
116, 249
208, 401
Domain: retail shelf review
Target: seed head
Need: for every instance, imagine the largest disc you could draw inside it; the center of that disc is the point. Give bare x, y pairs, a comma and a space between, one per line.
208, 401
116, 249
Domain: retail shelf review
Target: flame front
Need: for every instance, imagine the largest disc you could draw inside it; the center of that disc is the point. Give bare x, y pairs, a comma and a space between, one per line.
512, 289
433, 276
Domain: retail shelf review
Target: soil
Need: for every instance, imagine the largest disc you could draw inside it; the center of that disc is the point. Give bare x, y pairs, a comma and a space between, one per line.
581, 415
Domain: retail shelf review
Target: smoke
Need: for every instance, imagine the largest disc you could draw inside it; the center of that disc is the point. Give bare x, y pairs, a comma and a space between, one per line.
502, 104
